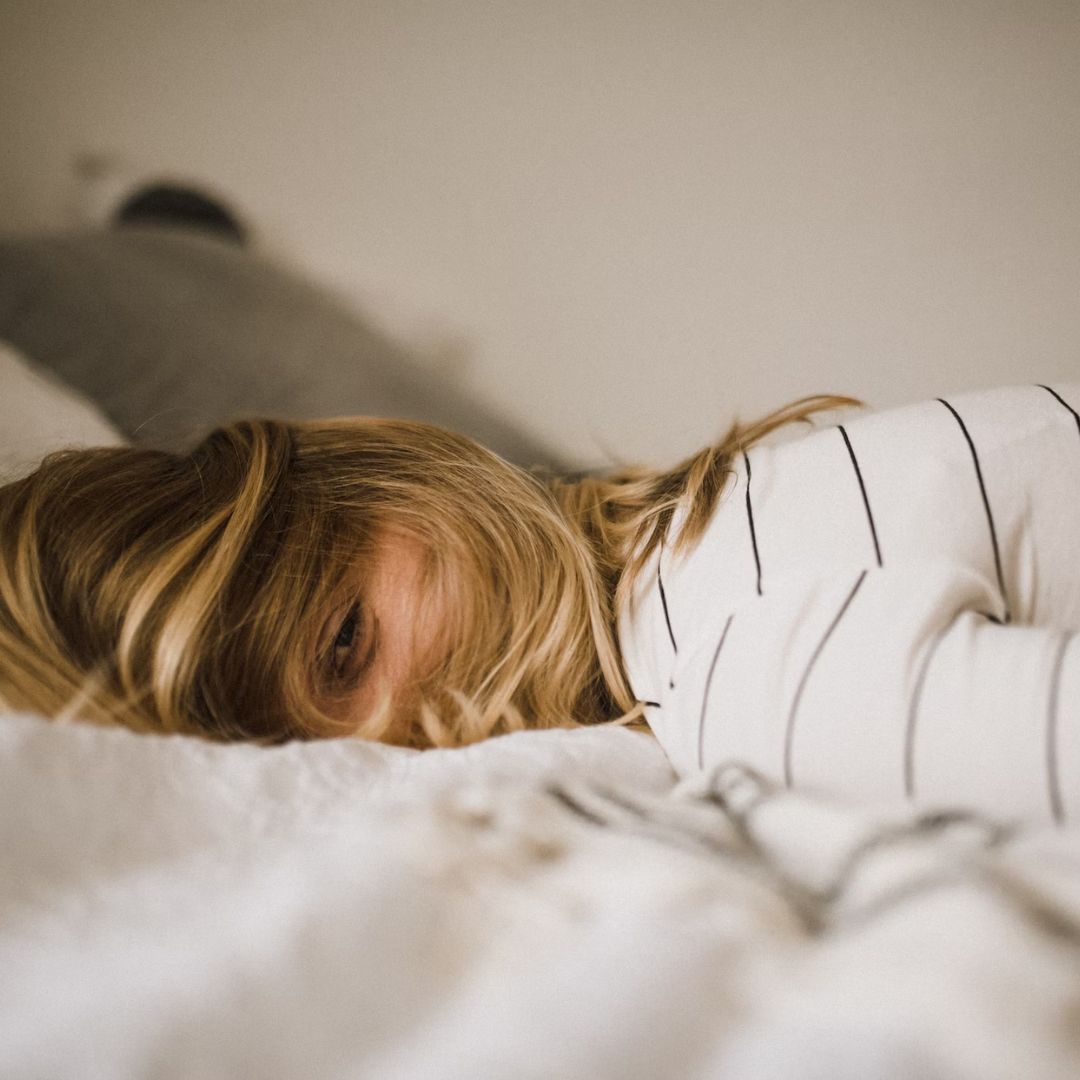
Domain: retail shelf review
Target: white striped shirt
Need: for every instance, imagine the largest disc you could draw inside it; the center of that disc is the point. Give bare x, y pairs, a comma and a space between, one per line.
883, 609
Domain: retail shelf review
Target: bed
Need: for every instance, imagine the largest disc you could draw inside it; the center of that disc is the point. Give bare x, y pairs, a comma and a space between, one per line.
545, 904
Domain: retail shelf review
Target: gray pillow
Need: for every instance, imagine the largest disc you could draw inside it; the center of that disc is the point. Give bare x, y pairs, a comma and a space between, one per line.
174, 332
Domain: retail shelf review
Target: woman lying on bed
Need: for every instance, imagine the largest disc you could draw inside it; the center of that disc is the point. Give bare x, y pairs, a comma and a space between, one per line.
884, 606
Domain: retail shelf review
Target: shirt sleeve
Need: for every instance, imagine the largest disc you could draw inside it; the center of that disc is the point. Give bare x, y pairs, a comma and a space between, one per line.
882, 683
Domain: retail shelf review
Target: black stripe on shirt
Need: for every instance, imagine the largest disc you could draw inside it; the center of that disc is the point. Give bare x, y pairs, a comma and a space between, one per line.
865, 498
789, 735
913, 715
1053, 778
667, 616
1054, 393
705, 695
750, 521
663, 600
986, 507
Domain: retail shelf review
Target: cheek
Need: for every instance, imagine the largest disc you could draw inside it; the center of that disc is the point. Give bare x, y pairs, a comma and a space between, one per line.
424, 642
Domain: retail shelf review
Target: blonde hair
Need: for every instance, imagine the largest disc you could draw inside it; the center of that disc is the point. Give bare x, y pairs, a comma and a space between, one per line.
186, 593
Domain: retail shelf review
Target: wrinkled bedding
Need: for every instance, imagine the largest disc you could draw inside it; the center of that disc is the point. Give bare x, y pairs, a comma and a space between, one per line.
548, 904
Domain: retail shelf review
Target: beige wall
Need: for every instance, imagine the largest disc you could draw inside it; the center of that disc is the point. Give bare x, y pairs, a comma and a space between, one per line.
622, 220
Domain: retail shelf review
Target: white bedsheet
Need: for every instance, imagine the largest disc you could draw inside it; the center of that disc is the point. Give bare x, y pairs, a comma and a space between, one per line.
542, 905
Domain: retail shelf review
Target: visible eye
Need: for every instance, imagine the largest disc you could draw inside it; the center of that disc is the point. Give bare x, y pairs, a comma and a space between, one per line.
345, 641
352, 648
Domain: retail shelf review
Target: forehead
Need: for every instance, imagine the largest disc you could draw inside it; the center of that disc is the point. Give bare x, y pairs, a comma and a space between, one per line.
397, 584
396, 560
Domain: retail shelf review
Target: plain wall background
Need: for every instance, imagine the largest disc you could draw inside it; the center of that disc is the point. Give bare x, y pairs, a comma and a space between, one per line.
619, 222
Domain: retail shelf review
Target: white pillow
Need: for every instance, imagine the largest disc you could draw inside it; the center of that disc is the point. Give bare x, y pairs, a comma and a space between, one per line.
39, 414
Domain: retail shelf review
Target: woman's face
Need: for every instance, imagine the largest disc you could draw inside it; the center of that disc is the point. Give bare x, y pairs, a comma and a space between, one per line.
378, 644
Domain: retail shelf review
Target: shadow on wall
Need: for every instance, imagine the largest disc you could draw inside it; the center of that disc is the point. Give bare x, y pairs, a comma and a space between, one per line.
173, 325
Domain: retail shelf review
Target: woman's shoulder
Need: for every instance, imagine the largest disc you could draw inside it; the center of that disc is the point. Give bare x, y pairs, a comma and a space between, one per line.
908, 482
999, 415
929, 436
